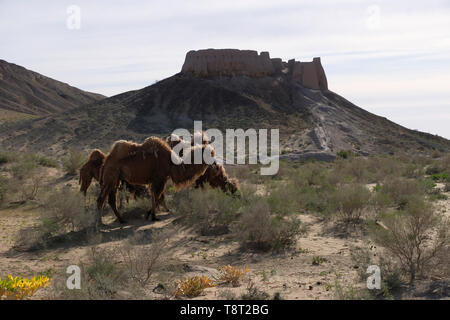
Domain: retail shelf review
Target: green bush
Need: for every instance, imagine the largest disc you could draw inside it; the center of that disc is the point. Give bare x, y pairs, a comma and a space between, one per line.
258, 229
345, 154
406, 236
3, 158
210, 211
282, 199
351, 200
441, 177
73, 162
401, 190
64, 209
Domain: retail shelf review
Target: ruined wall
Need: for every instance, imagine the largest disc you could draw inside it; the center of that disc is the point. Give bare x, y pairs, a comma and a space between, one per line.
228, 62
234, 62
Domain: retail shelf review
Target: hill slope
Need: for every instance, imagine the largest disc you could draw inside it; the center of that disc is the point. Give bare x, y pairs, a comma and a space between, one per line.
310, 121
31, 93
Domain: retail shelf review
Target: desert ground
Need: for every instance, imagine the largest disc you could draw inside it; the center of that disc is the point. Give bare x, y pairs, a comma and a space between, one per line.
318, 262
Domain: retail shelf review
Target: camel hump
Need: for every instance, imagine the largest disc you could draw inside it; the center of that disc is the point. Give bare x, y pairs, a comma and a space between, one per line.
122, 149
154, 144
96, 155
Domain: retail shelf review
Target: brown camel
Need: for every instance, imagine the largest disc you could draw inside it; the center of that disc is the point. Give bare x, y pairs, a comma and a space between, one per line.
91, 170
215, 174
150, 163
217, 177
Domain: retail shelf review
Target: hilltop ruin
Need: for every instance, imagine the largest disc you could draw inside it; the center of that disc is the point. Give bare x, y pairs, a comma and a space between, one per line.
234, 62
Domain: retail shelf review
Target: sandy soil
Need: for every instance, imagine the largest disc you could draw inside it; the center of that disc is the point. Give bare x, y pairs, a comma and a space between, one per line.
291, 274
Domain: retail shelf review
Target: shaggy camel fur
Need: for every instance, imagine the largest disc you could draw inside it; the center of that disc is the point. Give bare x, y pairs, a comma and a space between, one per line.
91, 170
217, 177
147, 164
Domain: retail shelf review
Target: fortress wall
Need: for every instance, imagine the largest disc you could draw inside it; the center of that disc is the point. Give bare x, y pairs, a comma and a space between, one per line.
234, 62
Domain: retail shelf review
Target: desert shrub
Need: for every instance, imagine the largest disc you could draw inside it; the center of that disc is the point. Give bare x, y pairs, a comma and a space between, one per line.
3, 158
447, 187
436, 154
433, 169
25, 181
254, 293
345, 154
64, 209
351, 200
46, 161
441, 177
382, 167
318, 260
258, 229
401, 190
379, 201
210, 211
391, 280
102, 273
193, 286
412, 171
230, 274
73, 162
282, 198
141, 260
101, 278
310, 174
414, 236
349, 292
249, 173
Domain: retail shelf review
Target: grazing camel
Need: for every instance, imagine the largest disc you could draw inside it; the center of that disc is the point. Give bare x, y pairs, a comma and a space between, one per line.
217, 177
91, 170
149, 163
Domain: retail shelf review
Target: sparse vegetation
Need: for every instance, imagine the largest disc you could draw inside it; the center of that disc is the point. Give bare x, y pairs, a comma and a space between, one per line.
414, 236
73, 162
231, 275
390, 197
351, 201
209, 211
193, 286
142, 261
259, 229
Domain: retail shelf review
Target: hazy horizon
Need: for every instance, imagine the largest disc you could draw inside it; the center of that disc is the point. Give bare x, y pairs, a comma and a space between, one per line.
391, 59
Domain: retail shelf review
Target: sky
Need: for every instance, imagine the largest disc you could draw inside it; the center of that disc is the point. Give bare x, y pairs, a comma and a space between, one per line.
391, 58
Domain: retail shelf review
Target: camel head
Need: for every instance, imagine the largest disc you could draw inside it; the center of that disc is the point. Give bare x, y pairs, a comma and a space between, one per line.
232, 185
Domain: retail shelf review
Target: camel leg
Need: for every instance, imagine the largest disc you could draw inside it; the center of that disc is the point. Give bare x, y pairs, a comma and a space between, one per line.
85, 185
157, 197
152, 209
162, 201
112, 202
100, 203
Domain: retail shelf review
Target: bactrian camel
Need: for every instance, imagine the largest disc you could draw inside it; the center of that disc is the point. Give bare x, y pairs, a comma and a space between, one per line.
150, 163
